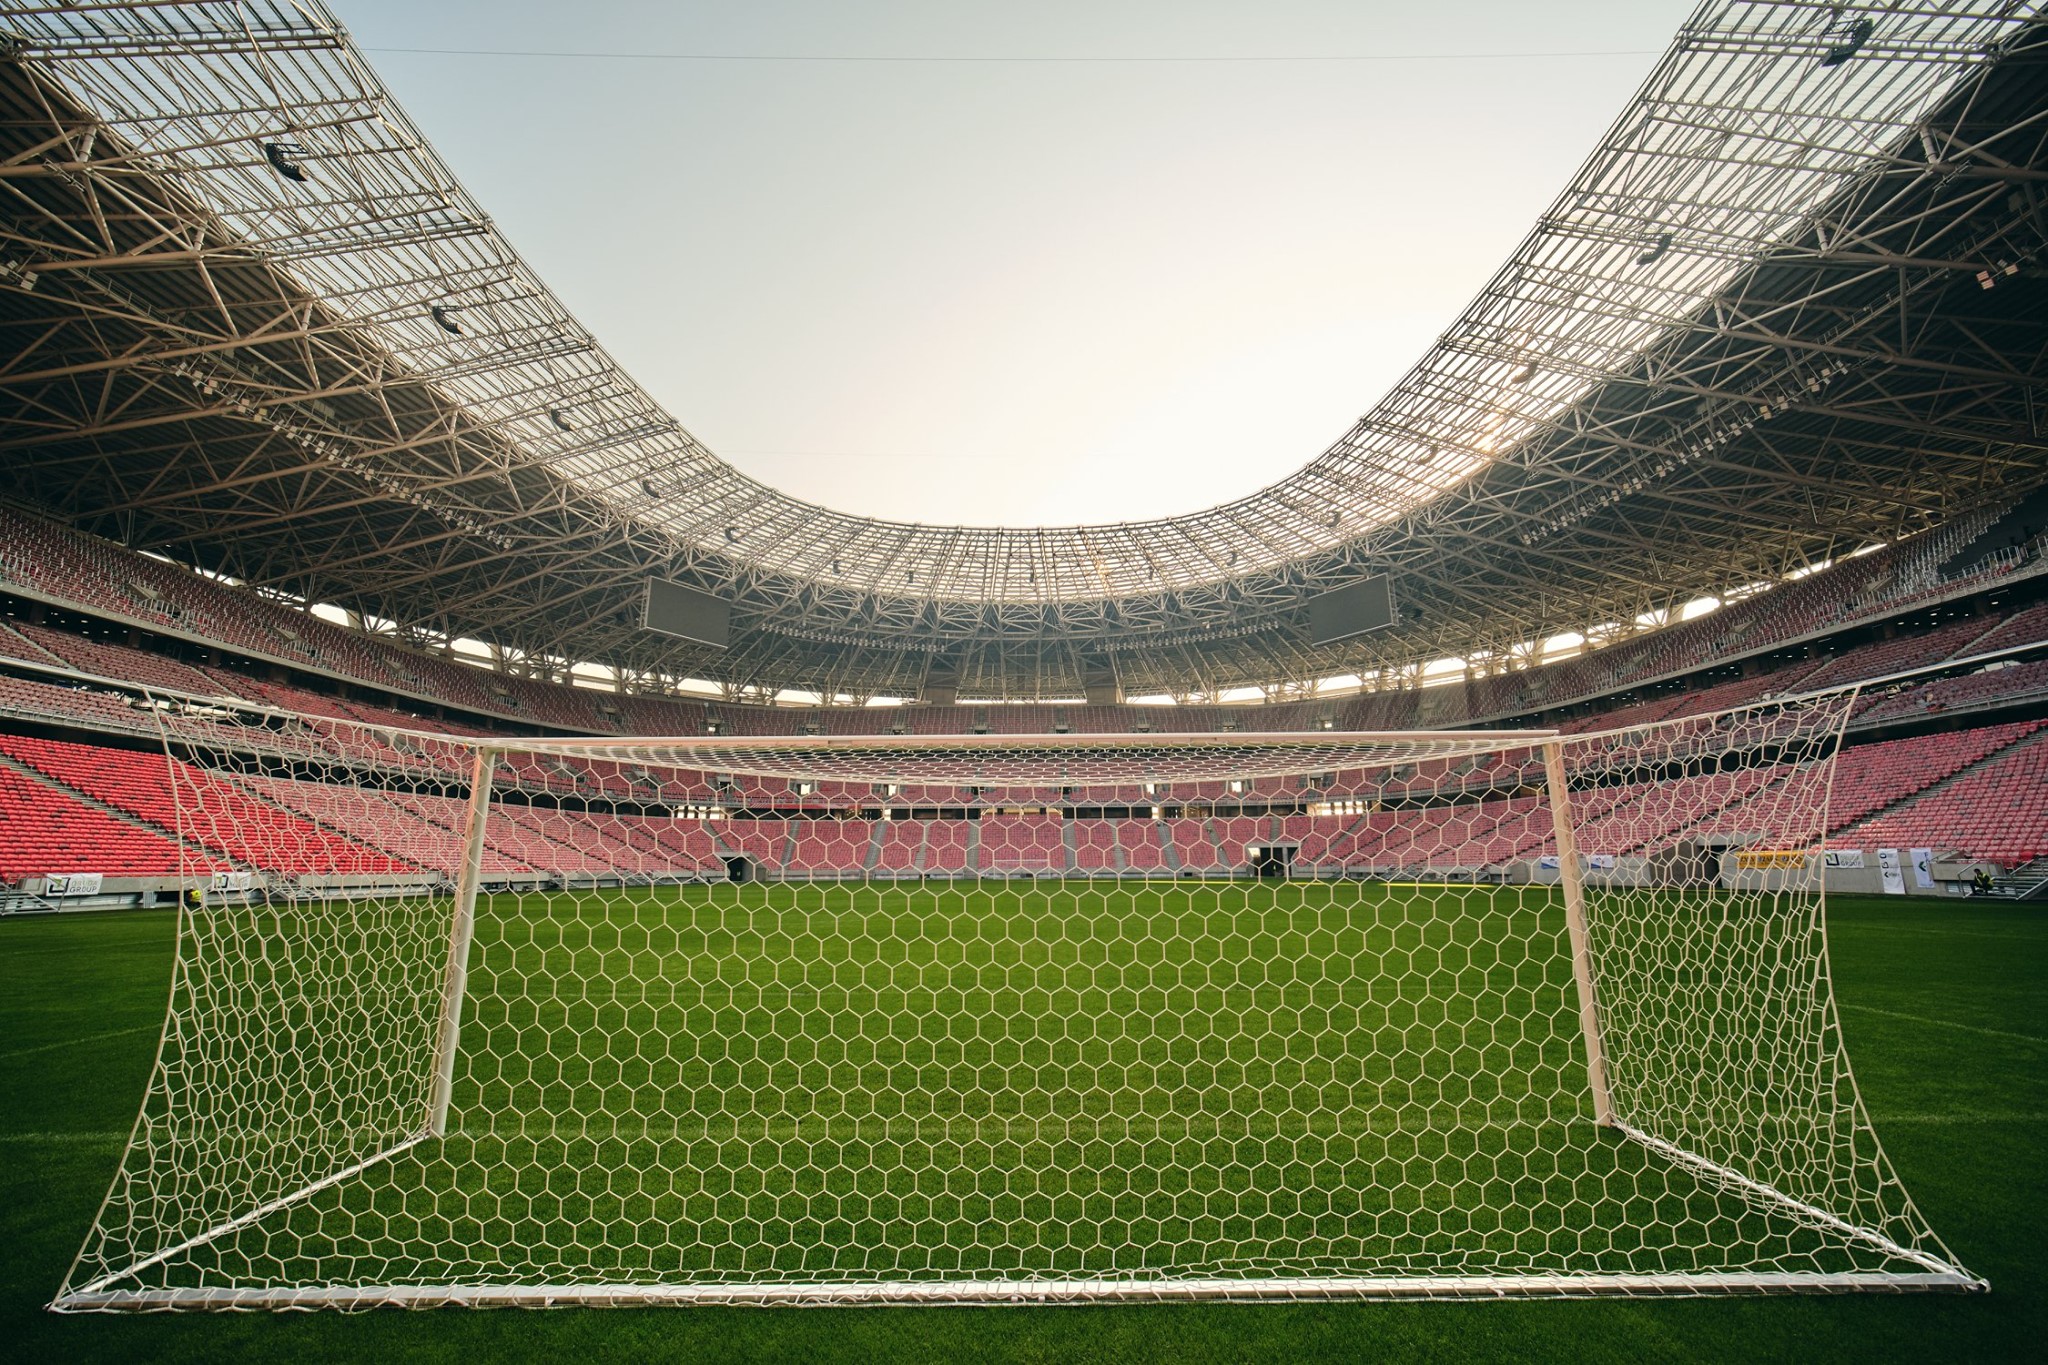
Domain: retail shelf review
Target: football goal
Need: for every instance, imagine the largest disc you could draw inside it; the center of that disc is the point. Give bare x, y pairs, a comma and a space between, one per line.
948, 1018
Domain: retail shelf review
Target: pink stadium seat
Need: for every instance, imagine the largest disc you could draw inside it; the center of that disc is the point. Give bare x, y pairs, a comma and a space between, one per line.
217, 813
1998, 811
47, 831
135, 590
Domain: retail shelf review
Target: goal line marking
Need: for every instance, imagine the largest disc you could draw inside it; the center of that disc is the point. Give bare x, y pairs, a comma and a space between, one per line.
1536, 1284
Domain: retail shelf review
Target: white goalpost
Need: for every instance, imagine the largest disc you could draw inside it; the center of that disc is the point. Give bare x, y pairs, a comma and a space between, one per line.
1000, 1019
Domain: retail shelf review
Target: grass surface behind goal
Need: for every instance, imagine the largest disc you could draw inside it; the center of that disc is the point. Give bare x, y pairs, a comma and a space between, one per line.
1942, 1008
1025, 1077
833, 1083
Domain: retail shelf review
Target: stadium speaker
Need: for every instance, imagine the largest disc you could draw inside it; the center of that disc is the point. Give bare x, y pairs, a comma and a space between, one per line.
1099, 683
941, 684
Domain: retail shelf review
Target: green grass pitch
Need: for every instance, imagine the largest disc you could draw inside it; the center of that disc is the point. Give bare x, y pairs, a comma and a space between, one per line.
1940, 1004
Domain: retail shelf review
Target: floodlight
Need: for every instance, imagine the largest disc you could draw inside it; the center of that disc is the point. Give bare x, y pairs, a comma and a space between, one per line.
1849, 44
284, 158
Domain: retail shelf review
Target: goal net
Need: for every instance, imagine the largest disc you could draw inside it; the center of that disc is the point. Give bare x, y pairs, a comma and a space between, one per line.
973, 1018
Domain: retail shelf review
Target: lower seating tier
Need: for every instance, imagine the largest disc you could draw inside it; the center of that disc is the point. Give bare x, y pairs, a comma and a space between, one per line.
70, 807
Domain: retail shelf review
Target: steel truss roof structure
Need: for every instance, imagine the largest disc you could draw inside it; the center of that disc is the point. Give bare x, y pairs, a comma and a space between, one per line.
1788, 306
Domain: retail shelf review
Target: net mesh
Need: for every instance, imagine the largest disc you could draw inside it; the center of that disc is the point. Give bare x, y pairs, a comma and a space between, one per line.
993, 1019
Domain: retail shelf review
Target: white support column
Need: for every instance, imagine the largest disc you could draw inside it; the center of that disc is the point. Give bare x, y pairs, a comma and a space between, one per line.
1570, 877
462, 923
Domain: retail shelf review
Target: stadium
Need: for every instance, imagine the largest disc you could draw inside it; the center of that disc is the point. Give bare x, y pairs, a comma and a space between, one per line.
463, 842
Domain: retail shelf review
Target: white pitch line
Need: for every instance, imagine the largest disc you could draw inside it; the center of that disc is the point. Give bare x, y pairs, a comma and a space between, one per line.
63, 1139
1948, 1023
74, 1042
1966, 1116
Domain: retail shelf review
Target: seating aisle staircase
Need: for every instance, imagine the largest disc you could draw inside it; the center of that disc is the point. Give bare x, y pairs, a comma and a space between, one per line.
198, 853
1165, 836
1933, 789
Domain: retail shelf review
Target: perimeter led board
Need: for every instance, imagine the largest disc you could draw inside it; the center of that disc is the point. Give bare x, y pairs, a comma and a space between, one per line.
1365, 606
687, 613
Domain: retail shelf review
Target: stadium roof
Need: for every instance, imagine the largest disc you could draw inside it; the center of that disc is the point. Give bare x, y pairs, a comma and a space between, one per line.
1785, 308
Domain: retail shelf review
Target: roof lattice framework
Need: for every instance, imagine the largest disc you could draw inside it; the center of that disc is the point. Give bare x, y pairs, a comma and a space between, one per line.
1748, 332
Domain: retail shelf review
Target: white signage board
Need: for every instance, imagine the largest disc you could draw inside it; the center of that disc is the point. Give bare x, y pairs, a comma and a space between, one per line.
1923, 867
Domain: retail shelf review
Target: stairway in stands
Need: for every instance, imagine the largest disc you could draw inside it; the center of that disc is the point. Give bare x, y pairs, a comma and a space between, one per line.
1933, 792
198, 855
1942, 784
2028, 881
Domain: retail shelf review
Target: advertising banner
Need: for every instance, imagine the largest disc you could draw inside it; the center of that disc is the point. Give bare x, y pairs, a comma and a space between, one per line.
1599, 862
1843, 857
1891, 872
233, 881
1770, 859
1923, 868
72, 883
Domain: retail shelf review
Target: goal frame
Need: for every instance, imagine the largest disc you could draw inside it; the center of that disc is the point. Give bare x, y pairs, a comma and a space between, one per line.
1933, 1274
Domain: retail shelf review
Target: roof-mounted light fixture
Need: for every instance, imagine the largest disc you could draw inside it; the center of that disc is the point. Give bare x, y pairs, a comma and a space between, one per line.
1989, 277
1848, 42
1525, 374
1659, 244
287, 159
444, 318
561, 420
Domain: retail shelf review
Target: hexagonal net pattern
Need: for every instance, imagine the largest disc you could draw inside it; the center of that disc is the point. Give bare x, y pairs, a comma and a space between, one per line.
1001, 1019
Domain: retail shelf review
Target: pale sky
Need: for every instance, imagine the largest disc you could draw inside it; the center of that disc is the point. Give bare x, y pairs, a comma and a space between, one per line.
1008, 292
